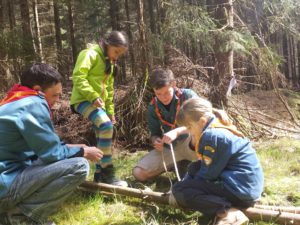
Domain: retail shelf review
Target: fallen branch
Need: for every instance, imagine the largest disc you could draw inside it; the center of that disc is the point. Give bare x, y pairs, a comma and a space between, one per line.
273, 215
289, 209
276, 214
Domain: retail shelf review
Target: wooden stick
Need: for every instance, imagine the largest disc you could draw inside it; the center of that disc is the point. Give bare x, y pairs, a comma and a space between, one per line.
276, 214
149, 196
289, 209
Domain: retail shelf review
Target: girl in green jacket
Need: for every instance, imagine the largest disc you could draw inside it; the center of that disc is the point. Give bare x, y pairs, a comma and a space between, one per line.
92, 96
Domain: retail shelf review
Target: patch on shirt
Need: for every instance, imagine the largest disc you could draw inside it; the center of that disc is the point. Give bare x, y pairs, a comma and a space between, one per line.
207, 160
209, 148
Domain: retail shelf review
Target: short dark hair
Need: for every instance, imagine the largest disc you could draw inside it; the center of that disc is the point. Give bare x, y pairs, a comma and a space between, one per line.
116, 39
40, 74
161, 78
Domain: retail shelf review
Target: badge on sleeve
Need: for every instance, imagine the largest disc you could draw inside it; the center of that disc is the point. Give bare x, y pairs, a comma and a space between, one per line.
207, 160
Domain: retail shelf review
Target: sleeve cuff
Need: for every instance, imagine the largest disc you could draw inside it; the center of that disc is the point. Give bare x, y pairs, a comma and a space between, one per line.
80, 153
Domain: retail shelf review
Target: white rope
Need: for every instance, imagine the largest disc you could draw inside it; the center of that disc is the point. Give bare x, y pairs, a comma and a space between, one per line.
174, 161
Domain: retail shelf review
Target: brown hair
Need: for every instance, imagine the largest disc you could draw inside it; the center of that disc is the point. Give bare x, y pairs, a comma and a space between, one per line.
161, 78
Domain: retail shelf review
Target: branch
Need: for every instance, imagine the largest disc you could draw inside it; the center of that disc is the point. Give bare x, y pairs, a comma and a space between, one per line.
278, 216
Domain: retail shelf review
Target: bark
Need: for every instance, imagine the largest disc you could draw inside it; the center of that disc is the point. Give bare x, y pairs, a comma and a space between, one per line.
151, 16
114, 14
72, 31
260, 213
295, 59
38, 39
1, 15
130, 39
11, 14
58, 39
224, 59
57, 26
289, 60
28, 45
298, 46
143, 43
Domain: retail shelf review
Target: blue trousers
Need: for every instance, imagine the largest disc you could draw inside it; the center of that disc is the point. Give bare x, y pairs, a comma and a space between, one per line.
206, 197
41, 188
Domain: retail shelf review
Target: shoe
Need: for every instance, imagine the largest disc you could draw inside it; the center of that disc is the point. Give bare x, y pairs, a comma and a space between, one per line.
232, 217
107, 175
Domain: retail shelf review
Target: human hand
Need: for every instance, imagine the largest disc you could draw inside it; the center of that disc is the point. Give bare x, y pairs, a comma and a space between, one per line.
92, 153
158, 144
98, 103
113, 119
169, 136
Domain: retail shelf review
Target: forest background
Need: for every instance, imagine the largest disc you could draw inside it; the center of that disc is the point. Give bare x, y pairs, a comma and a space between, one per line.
208, 44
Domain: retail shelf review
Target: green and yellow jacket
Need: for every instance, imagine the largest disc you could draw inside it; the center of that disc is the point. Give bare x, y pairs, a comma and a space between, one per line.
90, 81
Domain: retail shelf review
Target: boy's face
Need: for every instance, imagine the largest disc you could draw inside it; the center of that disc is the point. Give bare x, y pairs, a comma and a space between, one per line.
53, 93
165, 94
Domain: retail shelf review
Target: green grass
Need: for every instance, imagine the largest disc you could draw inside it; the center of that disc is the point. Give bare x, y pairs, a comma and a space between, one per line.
280, 160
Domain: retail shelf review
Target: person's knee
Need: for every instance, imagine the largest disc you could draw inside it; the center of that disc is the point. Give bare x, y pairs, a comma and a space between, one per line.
81, 167
140, 174
177, 192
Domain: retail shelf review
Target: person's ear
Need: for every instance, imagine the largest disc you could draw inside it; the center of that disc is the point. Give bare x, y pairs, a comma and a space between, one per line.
37, 88
203, 121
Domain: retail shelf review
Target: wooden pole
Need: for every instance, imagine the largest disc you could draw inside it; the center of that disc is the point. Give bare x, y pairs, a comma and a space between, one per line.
280, 215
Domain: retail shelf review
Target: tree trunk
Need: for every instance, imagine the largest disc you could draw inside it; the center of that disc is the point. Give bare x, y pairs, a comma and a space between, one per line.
38, 39
1, 15
289, 60
57, 26
130, 39
27, 40
151, 15
224, 59
58, 39
143, 42
295, 59
11, 14
72, 31
298, 46
114, 14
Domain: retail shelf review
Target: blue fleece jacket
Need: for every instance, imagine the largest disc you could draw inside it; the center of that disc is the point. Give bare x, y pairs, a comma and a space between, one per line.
26, 131
231, 160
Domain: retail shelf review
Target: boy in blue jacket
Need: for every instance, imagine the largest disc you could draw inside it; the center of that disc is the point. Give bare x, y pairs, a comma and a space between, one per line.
37, 171
227, 177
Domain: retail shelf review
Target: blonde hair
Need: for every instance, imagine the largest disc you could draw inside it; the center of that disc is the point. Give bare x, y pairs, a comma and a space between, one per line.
192, 110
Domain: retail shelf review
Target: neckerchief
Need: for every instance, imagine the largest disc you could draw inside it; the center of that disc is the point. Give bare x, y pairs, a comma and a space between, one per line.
18, 92
216, 123
178, 93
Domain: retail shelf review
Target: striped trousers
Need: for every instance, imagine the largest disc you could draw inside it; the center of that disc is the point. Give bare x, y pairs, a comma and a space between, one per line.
103, 129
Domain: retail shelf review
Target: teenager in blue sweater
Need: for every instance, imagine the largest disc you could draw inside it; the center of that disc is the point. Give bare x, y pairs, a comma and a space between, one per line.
37, 171
227, 176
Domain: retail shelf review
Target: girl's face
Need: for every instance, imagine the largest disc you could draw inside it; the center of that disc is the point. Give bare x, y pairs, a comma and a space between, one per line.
164, 94
196, 128
114, 53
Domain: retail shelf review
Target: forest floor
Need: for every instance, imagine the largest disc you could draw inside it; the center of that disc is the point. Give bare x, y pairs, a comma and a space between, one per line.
260, 114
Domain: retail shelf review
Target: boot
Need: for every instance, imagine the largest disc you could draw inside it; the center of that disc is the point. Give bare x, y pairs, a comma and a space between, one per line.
232, 217
107, 175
